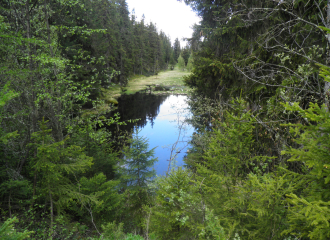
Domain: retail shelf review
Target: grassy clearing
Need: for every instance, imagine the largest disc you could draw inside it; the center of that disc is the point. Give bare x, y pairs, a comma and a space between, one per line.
168, 82
172, 79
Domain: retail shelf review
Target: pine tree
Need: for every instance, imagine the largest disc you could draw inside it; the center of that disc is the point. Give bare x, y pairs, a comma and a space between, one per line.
136, 168
176, 49
137, 172
190, 62
181, 63
227, 162
185, 53
55, 162
5, 96
309, 212
172, 61
177, 212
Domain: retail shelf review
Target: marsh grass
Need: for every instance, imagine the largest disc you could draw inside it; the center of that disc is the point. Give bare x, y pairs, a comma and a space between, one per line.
169, 78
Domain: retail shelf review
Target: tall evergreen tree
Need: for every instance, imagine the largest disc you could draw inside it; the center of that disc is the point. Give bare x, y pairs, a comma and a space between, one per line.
176, 49
181, 63
55, 162
136, 172
190, 62
185, 53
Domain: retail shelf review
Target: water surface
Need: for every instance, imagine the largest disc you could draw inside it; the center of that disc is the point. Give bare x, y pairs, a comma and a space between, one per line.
161, 121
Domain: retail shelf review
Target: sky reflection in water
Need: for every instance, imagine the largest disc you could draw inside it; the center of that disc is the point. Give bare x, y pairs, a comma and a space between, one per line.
163, 131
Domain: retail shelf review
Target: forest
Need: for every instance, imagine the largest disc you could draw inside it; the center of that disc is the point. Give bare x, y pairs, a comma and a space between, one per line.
258, 166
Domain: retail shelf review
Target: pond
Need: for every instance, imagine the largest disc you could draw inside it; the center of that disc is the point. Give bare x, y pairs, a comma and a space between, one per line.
161, 121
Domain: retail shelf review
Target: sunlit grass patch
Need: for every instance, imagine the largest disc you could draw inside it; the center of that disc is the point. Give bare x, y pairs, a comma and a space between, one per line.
140, 83
172, 80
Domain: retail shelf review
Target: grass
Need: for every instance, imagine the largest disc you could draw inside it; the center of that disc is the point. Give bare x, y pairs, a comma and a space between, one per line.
171, 79
168, 78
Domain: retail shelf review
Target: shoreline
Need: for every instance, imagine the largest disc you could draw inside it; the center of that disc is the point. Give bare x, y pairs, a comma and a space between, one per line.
169, 82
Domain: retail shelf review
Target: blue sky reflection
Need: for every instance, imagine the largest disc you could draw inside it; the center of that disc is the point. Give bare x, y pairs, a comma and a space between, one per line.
164, 131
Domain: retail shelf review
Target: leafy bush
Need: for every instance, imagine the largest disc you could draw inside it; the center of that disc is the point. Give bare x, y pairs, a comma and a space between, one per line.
8, 232
133, 237
112, 231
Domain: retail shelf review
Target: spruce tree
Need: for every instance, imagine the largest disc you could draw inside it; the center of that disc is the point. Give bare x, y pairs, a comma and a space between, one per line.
177, 213
309, 212
190, 62
176, 49
172, 61
5, 96
181, 63
56, 163
136, 170
185, 53
227, 162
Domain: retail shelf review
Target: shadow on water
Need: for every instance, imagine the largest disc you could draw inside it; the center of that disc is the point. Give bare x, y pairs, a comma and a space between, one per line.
142, 106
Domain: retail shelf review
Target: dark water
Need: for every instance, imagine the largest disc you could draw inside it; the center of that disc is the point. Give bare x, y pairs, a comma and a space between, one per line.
161, 122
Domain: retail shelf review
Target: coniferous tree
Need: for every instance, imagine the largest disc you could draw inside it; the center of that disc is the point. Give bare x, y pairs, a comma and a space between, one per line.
55, 162
177, 211
181, 63
190, 62
185, 53
309, 210
5, 96
176, 49
172, 61
136, 172
8, 231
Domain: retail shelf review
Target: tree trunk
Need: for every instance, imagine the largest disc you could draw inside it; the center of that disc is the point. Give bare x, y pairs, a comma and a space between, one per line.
34, 186
52, 111
51, 210
9, 206
32, 100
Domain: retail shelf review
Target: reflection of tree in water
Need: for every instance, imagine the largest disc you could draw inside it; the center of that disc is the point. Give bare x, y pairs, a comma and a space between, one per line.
144, 107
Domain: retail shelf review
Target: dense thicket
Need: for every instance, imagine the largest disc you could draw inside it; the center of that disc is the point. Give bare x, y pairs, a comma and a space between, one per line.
258, 166
58, 167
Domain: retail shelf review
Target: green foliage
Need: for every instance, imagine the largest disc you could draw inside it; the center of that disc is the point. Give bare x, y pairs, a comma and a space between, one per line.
325, 72
309, 212
172, 62
136, 168
263, 207
53, 63
56, 55
176, 49
134, 237
225, 174
181, 63
92, 135
190, 62
255, 53
109, 200
37, 219
136, 173
55, 162
8, 231
185, 53
178, 207
213, 229
112, 231
230, 152
5, 96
